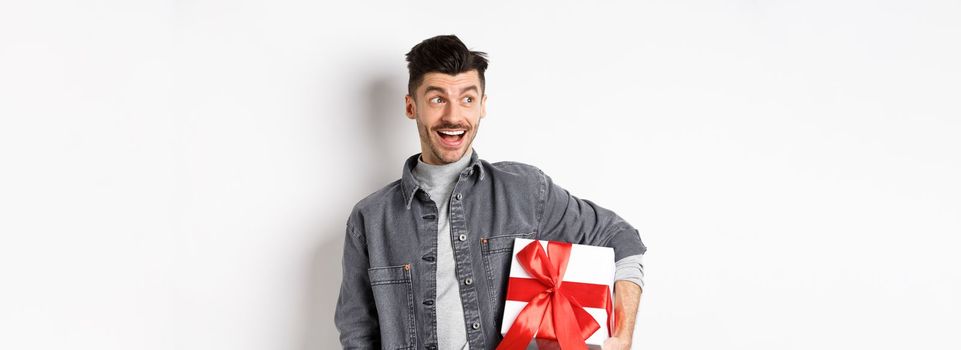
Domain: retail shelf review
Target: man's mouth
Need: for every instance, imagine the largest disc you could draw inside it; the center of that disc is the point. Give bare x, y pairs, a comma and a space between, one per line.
451, 138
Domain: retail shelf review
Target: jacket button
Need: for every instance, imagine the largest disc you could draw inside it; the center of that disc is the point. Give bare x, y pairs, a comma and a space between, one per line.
429, 302
458, 196
468, 281
462, 237
428, 258
431, 347
475, 325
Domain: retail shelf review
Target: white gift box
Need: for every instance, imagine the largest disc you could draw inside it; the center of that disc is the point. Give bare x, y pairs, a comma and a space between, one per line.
587, 264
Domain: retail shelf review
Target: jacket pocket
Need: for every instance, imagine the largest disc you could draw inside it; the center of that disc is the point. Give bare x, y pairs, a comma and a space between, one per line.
394, 298
497, 252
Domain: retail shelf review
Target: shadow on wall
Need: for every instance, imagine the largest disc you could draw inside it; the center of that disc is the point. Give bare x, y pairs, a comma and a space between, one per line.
381, 159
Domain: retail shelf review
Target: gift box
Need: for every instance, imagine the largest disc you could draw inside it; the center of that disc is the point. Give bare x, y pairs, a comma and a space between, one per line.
559, 295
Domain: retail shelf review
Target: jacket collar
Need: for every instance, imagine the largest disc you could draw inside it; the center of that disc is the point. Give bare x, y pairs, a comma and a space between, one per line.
409, 185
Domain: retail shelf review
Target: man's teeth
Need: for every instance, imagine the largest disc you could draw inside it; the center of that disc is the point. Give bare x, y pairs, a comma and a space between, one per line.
452, 133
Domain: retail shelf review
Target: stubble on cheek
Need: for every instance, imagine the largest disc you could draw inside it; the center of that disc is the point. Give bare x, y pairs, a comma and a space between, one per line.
427, 140
424, 133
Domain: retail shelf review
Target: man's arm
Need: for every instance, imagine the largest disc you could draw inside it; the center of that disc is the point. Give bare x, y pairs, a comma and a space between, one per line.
356, 313
627, 296
568, 218
564, 217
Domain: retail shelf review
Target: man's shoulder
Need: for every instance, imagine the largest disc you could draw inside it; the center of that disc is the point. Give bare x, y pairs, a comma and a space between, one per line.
377, 200
509, 168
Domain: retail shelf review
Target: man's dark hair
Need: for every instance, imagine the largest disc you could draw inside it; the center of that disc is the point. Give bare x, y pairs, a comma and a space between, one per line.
443, 54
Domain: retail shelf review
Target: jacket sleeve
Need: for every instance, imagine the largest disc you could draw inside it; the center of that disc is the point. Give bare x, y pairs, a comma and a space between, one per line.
564, 217
356, 313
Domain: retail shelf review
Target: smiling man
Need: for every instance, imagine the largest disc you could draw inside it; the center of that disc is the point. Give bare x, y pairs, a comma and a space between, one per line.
426, 258
448, 109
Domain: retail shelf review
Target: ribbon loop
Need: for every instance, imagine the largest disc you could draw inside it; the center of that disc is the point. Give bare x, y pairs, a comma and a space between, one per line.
554, 310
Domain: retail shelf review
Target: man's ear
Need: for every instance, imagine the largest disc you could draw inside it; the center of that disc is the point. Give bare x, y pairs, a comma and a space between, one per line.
483, 106
410, 108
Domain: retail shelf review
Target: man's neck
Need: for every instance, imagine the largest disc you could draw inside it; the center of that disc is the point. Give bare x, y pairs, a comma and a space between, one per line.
431, 175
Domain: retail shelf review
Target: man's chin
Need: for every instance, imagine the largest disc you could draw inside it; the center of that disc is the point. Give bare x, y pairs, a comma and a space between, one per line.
448, 156
452, 156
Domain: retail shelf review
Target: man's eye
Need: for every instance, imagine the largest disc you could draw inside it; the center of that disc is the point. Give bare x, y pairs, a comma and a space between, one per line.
468, 99
436, 100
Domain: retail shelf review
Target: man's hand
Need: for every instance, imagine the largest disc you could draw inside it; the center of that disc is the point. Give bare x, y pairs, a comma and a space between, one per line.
617, 343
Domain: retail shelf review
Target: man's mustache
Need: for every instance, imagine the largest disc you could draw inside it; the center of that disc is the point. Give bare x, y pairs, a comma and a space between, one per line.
450, 126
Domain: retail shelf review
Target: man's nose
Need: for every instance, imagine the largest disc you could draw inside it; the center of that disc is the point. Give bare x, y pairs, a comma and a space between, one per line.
453, 112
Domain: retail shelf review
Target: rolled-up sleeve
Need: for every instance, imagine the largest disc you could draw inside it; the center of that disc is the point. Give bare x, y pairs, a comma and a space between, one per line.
631, 269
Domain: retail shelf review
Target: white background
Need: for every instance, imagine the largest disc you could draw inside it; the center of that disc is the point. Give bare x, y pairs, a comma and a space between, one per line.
177, 175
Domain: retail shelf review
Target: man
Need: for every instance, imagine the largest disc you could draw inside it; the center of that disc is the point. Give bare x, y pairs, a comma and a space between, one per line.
426, 258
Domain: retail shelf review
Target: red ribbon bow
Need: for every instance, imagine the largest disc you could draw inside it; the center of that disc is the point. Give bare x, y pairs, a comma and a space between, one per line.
555, 309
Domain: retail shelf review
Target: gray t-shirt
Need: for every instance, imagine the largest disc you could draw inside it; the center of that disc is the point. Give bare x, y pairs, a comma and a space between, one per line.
438, 181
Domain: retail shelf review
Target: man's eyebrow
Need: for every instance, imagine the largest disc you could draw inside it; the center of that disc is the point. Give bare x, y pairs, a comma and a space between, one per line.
442, 91
434, 88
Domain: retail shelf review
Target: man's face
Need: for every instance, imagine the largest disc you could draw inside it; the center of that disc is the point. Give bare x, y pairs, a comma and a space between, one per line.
448, 110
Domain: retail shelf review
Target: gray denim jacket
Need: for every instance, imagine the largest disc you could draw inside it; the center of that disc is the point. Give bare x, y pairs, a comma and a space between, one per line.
388, 288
